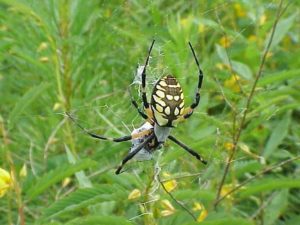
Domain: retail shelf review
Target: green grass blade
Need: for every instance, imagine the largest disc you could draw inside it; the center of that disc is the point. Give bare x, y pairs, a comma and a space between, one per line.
54, 176
82, 198
25, 102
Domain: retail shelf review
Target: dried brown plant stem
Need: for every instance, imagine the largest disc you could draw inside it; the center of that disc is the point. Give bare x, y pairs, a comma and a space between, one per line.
256, 176
248, 103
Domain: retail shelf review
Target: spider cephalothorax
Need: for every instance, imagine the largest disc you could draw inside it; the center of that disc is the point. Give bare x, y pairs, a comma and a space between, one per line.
167, 101
163, 113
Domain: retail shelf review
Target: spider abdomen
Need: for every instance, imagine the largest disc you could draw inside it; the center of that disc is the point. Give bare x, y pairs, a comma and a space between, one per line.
167, 101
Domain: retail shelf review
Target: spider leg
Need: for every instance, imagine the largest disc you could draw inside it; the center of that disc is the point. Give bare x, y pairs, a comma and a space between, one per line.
133, 153
190, 110
120, 139
144, 95
188, 149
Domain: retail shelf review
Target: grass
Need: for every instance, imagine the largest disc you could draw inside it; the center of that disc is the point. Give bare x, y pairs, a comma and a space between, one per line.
81, 57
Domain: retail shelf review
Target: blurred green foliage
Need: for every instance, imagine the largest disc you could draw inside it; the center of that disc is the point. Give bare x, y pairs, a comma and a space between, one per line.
81, 56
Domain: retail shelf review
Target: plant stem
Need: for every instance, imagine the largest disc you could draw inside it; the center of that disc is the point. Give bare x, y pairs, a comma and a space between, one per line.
257, 175
248, 103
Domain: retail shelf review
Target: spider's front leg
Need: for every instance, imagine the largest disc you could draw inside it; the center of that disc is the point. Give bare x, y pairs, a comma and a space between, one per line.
144, 94
148, 115
189, 111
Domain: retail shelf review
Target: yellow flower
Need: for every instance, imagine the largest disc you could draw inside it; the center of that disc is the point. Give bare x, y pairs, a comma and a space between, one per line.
44, 59
5, 181
136, 193
42, 47
252, 38
232, 83
225, 189
269, 55
186, 22
168, 208
57, 106
202, 215
228, 146
23, 171
201, 28
197, 206
240, 12
66, 182
225, 41
262, 19
171, 184
200, 207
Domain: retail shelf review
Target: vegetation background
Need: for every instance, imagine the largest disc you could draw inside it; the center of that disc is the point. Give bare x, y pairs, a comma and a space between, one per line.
81, 56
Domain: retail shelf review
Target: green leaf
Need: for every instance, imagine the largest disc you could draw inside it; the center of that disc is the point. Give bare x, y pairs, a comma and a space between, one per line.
276, 206
100, 220
277, 135
242, 69
222, 54
26, 100
282, 28
54, 176
82, 198
268, 185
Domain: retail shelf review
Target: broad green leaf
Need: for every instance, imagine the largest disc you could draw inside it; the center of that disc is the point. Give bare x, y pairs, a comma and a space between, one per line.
269, 185
54, 176
242, 69
222, 54
276, 206
277, 135
282, 28
24, 102
100, 220
84, 197
83, 180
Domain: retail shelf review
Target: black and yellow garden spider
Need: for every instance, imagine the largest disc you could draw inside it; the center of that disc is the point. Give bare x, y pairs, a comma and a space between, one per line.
163, 113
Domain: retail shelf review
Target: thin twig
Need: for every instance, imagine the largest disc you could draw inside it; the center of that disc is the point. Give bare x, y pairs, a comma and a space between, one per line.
249, 100
175, 200
263, 206
257, 175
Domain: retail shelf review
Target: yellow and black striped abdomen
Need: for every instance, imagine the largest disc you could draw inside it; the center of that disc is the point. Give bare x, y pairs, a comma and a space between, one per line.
167, 101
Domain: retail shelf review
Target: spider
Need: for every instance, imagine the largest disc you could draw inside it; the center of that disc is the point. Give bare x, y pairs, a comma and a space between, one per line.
163, 113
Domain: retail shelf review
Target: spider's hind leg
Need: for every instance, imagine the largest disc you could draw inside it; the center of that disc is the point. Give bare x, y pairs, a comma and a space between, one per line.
188, 149
133, 153
120, 139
